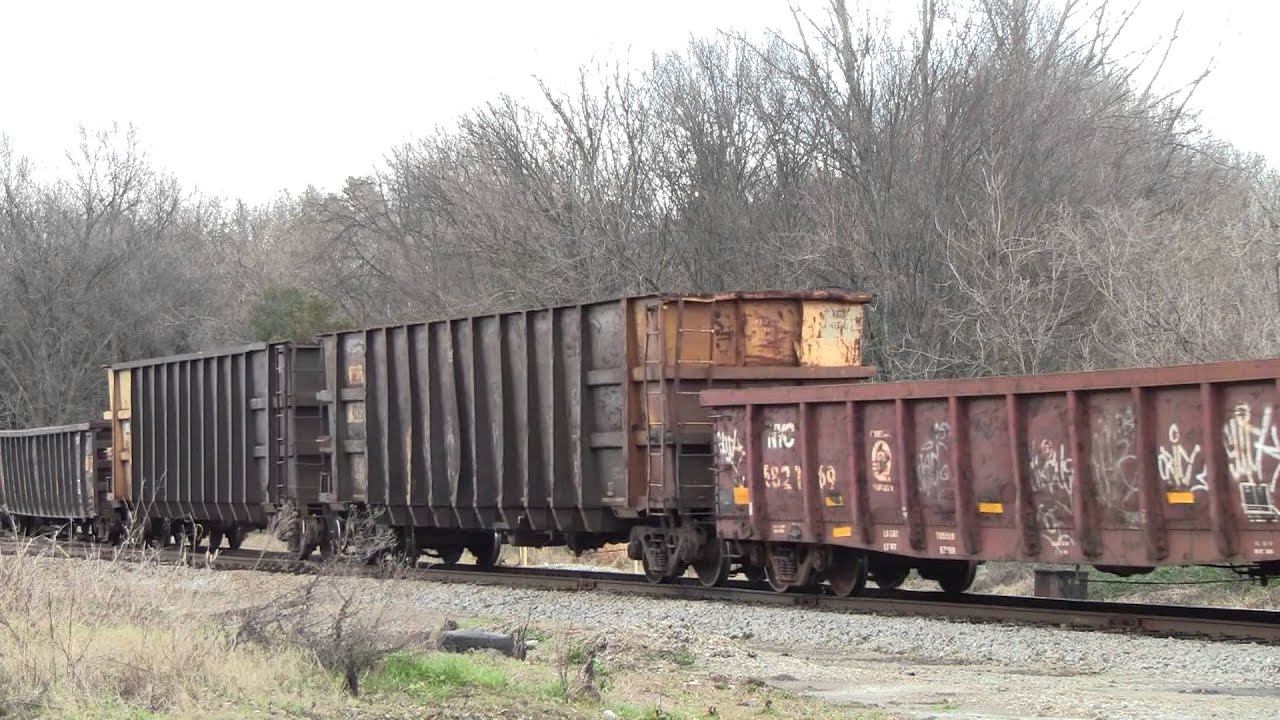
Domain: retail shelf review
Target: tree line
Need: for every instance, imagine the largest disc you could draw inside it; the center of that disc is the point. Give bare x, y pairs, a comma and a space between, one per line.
1019, 195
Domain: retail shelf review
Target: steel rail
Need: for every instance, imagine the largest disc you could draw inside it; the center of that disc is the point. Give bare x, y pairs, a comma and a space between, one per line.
1188, 621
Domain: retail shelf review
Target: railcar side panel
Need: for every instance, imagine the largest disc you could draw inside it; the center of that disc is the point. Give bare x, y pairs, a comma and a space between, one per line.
56, 473
217, 437
1124, 468
573, 419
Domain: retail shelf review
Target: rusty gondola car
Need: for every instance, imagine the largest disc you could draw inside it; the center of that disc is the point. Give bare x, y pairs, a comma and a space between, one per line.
59, 478
575, 425
1125, 470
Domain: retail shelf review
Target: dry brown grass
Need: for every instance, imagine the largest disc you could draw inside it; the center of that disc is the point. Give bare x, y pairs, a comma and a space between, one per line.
87, 637
610, 557
110, 637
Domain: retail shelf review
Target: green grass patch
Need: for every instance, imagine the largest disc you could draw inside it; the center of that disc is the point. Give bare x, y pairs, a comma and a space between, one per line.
681, 656
435, 676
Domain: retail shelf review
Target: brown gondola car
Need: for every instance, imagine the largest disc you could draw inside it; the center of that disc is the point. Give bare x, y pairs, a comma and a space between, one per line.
215, 443
575, 425
1125, 470
59, 478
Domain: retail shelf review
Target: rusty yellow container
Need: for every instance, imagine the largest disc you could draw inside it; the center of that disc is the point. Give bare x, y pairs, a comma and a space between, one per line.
686, 344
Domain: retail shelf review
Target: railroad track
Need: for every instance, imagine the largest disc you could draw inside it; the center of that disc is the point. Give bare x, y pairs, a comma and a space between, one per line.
1231, 624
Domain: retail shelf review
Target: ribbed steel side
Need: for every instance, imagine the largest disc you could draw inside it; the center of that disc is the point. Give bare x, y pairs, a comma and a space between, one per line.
55, 472
573, 419
1121, 468
481, 422
207, 436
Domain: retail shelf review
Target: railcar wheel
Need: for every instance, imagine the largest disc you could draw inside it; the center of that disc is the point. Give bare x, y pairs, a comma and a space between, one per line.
299, 541
712, 567
774, 583
487, 551
755, 574
235, 538
956, 577
890, 577
405, 549
788, 570
215, 539
449, 554
847, 575
657, 576
157, 534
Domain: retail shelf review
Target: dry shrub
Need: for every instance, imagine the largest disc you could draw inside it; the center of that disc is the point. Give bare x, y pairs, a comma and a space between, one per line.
1004, 578
579, 669
609, 557
328, 619
103, 630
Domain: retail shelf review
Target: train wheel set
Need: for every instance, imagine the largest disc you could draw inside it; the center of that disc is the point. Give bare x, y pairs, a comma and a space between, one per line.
734, 434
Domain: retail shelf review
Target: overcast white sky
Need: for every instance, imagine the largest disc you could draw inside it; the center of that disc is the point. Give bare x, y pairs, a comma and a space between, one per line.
244, 99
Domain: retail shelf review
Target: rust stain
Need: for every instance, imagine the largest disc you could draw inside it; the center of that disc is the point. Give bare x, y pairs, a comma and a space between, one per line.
771, 331
830, 334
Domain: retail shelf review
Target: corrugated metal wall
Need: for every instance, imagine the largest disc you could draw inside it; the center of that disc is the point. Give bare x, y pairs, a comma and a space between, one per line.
53, 472
1160, 466
567, 418
206, 435
483, 421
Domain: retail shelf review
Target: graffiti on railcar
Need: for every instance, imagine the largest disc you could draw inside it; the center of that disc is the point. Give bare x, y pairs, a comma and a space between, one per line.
1248, 444
1051, 478
933, 468
730, 452
1113, 464
1177, 466
1051, 468
881, 462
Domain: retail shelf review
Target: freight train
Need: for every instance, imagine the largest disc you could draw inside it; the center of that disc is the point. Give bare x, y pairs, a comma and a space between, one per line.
727, 433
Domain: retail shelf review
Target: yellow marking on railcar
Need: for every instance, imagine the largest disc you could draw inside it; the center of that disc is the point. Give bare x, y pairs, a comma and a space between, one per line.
1180, 498
841, 531
830, 334
355, 374
991, 508
741, 496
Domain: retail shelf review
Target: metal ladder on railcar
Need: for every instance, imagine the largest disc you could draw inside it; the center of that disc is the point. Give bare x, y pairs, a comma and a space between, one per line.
658, 387
278, 407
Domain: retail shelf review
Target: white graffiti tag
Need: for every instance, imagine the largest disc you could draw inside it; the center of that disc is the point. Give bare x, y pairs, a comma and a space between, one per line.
932, 466
730, 451
1247, 445
1051, 469
1178, 467
1051, 476
1112, 459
